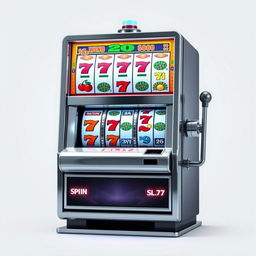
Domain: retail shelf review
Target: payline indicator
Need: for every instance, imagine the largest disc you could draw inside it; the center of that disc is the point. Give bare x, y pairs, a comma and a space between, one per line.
149, 192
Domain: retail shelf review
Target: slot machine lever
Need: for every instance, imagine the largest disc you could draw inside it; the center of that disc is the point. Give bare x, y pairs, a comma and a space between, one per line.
194, 128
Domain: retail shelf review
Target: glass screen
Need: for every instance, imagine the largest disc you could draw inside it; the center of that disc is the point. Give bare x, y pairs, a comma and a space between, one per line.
122, 67
122, 192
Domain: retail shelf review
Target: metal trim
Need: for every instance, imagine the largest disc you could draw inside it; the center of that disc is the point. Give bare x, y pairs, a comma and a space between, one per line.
101, 160
122, 37
121, 100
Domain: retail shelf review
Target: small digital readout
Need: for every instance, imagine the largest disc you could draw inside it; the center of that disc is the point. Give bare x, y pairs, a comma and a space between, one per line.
119, 192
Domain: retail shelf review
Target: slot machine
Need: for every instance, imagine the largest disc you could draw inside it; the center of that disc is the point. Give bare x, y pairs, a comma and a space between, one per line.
130, 139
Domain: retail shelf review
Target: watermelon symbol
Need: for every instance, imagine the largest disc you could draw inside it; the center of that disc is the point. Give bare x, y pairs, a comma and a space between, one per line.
103, 87
142, 86
126, 126
160, 65
161, 112
159, 126
113, 113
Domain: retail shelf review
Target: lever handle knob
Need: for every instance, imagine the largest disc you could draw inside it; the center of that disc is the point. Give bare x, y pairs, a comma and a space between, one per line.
205, 98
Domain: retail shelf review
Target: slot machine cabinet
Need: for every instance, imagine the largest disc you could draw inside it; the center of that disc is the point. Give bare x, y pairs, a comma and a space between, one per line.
129, 133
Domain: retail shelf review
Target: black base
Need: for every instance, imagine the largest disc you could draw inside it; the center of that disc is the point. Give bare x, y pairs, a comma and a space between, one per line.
153, 226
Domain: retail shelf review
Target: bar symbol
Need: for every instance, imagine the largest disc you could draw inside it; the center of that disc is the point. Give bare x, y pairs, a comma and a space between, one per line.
85, 76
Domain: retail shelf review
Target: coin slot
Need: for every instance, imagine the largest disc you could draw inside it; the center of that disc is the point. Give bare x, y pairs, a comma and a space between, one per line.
150, 161
154, 151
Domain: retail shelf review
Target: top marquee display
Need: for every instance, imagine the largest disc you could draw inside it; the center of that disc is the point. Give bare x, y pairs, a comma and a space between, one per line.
122, 67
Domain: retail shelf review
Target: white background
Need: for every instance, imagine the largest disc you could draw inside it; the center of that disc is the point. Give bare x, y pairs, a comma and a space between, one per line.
31, 38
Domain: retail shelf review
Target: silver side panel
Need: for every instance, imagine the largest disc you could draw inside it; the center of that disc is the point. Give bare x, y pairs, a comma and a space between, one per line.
190, 146
177, 119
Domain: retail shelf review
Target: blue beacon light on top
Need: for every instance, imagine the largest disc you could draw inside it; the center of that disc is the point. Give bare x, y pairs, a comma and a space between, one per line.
129, 26
129, 23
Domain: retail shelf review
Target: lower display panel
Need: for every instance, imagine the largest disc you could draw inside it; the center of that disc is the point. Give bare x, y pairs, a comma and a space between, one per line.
116, 192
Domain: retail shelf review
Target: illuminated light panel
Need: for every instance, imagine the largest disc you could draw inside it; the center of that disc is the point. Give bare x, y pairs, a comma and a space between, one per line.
139, 67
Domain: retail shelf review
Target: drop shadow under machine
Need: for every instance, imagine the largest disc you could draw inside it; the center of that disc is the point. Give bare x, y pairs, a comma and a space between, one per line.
129, 151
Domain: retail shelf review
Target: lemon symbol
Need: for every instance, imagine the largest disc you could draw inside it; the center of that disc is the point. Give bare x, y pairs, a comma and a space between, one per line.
160, 87
149, 125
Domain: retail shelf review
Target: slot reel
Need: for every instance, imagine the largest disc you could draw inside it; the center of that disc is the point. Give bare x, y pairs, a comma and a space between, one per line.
123, 128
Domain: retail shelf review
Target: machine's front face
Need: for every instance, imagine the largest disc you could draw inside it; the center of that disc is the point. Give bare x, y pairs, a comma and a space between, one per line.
117, 128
